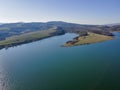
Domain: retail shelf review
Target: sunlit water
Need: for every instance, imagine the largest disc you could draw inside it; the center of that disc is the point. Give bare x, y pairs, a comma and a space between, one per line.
45, 65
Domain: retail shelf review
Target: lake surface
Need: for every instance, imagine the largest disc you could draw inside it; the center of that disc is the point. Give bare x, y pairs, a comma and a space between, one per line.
45, 65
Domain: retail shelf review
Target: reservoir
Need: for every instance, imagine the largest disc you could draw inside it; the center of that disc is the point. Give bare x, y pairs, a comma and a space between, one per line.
45, 65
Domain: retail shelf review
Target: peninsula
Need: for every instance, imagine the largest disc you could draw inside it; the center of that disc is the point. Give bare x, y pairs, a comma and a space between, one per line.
87, 39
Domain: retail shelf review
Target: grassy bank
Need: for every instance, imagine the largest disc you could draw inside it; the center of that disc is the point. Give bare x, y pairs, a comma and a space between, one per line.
90, 38
25, 38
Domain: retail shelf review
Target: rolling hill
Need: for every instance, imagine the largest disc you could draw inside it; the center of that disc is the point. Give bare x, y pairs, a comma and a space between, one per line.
17, 33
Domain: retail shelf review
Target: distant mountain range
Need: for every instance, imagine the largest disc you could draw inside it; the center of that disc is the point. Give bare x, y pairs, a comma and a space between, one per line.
113, 24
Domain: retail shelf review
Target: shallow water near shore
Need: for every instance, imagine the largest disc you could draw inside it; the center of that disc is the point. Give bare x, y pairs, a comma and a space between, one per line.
45, 65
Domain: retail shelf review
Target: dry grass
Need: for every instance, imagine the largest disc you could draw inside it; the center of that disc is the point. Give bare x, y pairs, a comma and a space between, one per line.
91, 38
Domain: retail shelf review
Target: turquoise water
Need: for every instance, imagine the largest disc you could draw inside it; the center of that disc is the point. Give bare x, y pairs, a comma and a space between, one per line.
45, 65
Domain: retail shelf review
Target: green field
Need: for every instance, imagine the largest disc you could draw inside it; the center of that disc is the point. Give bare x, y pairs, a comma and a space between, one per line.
32, 36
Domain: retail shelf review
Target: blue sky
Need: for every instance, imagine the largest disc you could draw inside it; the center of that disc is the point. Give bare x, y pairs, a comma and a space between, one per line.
77, 11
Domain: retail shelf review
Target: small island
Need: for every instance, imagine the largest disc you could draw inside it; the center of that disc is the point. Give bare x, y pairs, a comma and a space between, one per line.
87, 38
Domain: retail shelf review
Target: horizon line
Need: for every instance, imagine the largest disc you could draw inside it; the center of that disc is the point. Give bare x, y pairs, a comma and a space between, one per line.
56, 21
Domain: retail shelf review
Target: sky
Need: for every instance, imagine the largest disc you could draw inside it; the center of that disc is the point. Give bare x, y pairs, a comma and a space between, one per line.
76, 11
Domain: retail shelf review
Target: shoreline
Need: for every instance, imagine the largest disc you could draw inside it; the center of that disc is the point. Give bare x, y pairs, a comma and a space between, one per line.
24, 42
20, 43
6, 46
